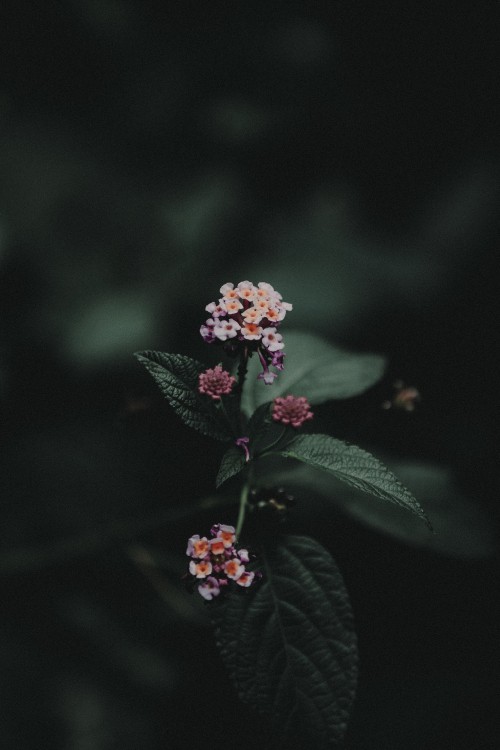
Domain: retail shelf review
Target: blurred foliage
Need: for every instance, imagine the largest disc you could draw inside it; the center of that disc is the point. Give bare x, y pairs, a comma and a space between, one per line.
346, 152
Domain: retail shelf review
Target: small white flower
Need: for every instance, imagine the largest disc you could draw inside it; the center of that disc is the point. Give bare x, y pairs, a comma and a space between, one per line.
232, 305
226, 288
200, 569
216, 309
267, 376
233, 568
226, 329
266, 287
209, 588
272, 340
243, 555
252, 315
251, 331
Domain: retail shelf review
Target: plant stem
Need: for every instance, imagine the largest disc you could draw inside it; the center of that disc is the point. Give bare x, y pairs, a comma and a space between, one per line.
267, 449
242, 370
243, 506
226, 417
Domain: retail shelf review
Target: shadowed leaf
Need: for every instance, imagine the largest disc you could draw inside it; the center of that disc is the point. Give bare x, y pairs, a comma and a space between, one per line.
314, 369
290, 647
177, 378
233, 461
354, 466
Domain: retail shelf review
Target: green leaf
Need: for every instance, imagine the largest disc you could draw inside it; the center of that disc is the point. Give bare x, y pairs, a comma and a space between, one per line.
354, 466
264, 432
177, 377
314, 369
233, 461
462, 526
290, 647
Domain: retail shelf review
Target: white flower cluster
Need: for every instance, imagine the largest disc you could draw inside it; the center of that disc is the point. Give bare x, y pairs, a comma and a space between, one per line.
248, 312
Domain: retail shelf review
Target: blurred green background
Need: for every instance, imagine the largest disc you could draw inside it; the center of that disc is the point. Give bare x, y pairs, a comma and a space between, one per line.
345, 152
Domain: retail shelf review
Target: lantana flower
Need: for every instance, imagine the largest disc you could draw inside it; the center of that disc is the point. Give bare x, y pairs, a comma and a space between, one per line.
405, 397
291, 410
197, 547
200, 569
215, 382
246, 317
209, 588
217, 563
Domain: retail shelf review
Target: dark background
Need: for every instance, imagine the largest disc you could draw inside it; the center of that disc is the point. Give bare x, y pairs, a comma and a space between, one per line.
149, 152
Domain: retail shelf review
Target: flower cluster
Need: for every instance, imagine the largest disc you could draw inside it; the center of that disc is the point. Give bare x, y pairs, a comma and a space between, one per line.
291, 410
405, 397
249, 316
215, 382
217, 562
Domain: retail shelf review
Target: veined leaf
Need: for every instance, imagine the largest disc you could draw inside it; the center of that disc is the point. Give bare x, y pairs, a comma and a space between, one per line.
314, 369
264, 432
290, 646
177, 377
462, 526
354, 466
233, 461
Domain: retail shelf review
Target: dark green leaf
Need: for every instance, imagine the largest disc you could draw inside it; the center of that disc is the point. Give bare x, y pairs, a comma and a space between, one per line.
314, 369
260, 420
264, 432
354, 466
290, 646
232, 463
462, 526
177, 377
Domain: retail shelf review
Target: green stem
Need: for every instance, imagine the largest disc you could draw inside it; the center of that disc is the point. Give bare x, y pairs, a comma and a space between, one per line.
223, 409
267, 449
243, 506
242, 370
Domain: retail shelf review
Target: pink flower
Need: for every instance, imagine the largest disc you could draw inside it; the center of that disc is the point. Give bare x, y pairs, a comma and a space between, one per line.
231, 294
405, 397
291, 410
227, 534
245, 321
234, 569
273, 315
246, 578
198, 547
246, 290
242, 442
218, 563
201, 569
217, 546
267, 376
209, 588
215, 383
251, 331
232, 306
252, 315
207, 331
